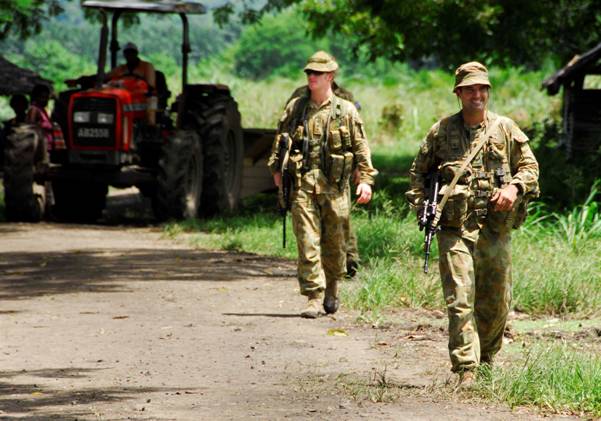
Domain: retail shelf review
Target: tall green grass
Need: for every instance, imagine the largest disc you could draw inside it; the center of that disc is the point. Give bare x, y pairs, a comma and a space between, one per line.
550, 277
581, 223
556, 378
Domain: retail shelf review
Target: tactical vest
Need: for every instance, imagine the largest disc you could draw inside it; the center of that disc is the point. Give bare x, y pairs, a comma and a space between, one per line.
328, 147
489, 170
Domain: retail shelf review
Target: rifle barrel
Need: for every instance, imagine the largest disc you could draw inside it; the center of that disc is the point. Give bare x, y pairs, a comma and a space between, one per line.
284, 231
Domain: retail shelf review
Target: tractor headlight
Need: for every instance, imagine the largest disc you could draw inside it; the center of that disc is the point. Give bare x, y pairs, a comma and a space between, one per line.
105, 118
81, 117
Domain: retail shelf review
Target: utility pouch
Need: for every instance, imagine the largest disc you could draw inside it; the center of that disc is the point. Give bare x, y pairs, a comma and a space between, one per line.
520, 212
505, 221
298, 134
455, 211
521, 208
345, 137
347, 169
334, 142
448, 170
336, 168
295, 165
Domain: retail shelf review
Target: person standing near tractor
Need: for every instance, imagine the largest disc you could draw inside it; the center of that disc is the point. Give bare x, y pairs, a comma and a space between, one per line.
487, 172
37, 114
324, 141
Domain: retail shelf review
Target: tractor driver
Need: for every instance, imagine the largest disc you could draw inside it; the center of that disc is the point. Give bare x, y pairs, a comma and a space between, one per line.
134, 66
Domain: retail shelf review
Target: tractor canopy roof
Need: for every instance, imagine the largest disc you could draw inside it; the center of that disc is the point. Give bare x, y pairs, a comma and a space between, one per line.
157, 6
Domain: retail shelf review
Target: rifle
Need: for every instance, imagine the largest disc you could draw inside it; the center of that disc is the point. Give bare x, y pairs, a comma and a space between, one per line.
284, 144
427, 218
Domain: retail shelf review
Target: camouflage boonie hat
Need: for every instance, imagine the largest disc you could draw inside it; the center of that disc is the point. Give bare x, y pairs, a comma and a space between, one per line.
321, 62
472, 73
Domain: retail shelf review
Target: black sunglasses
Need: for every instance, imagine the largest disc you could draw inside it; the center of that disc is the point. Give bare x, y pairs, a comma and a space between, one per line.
313, 72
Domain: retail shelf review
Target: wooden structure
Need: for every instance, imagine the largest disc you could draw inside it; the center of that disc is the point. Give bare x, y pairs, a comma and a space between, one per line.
17, 80
581, 105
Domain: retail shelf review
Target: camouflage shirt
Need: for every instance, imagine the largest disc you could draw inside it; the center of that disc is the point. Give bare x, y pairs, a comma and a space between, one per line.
317, 117
506, 158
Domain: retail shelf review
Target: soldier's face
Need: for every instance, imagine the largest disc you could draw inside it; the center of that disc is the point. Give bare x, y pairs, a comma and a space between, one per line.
473, 97
319, 80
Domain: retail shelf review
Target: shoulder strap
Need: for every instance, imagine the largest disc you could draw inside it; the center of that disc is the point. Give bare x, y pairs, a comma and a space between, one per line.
464, 165
298, 112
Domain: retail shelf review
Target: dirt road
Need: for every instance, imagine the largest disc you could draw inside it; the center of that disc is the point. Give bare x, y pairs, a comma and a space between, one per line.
116, 323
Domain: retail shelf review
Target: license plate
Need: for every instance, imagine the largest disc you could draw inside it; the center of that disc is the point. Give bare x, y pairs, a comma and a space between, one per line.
93, 132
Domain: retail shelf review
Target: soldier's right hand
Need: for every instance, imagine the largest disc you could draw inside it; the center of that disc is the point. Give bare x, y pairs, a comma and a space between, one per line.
277, 179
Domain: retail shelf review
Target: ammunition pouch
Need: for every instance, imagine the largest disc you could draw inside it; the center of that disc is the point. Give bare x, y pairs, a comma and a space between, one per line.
449, 169
455, 211
520, 211
295, 166
340, 168
505, 221
521, 208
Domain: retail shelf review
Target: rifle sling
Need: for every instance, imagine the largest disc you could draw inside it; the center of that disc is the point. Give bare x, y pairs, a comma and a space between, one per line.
464, 165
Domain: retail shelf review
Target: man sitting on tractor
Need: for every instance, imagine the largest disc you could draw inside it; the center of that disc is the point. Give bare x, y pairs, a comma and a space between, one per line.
134, 66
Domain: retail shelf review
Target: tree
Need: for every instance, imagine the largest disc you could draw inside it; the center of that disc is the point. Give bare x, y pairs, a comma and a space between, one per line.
449, 32
274, 45
25, 17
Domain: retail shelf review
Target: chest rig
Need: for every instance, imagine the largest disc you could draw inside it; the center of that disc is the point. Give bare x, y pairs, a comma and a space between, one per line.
321, 142
487, 170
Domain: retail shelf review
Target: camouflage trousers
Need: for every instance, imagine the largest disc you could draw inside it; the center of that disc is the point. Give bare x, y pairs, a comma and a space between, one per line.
319, 222
476, 282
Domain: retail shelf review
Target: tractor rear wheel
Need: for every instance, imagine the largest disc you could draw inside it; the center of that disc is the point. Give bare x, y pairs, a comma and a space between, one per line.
77, 201
223, 148
24, 153
180, 178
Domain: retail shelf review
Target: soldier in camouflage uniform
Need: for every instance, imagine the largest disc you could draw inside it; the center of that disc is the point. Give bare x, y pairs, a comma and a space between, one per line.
352, 249
327, 142
487, 202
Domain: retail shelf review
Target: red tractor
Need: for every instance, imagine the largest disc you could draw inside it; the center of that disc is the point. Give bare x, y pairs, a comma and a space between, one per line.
189, 158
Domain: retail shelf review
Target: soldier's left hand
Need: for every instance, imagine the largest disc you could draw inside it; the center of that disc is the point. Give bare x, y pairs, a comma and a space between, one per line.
364, 193
505, 198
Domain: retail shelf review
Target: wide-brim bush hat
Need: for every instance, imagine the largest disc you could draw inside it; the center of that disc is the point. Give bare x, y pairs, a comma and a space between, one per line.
471, 73
321, 62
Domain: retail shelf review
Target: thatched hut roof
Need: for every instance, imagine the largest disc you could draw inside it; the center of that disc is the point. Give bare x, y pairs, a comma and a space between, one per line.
16, 80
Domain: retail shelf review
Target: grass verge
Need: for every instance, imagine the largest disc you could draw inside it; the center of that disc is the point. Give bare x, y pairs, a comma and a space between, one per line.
556, 378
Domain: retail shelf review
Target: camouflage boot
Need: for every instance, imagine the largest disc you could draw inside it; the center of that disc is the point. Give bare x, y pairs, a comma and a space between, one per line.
330, 302
313, 306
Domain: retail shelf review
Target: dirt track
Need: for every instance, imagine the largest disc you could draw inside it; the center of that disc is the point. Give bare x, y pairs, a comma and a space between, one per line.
111, 323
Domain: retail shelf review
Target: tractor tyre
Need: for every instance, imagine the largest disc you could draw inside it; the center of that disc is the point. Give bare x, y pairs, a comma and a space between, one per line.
24, 155
224, 153
180, 178
76, 201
